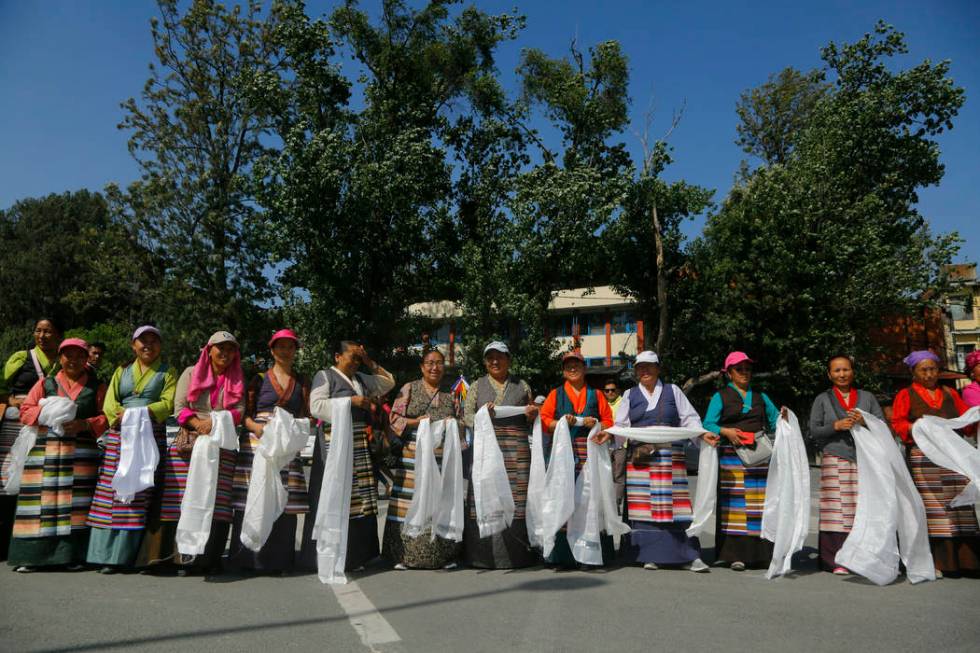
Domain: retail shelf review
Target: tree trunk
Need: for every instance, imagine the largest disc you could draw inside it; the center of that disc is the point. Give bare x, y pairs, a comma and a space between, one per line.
661, 282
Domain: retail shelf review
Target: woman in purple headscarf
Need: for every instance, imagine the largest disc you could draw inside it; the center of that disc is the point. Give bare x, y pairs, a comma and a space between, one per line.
971, 393
954, 535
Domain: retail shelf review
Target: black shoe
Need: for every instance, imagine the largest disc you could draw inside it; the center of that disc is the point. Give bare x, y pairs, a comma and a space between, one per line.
107, 570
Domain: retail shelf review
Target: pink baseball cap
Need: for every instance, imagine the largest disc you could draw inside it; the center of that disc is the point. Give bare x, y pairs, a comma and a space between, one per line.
72, 342
573, 356
284, 333
735, 358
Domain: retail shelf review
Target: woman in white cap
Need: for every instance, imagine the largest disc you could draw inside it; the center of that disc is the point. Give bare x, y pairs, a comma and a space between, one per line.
510, 548
658, 499
341, 380
50, 529
736, 415
213, 383
117, 528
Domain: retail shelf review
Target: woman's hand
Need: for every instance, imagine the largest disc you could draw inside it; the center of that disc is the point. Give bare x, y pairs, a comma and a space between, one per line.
784, 412
711, 438
570, 419
202, 425
843, 424
15, 402
259, 429
588, 422
364, 403
602, 437
856, 417
530, 411
489, 407
417, 420
731, 435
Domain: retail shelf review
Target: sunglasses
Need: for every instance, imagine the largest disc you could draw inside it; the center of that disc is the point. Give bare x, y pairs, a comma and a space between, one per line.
610, 389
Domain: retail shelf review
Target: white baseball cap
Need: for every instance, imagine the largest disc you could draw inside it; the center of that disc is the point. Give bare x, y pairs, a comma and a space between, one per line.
647, 357
496, 345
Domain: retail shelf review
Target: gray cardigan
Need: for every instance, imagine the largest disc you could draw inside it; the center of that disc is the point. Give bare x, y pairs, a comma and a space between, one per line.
827, 410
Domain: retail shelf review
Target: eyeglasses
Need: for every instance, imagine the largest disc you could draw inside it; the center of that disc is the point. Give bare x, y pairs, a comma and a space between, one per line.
433, 364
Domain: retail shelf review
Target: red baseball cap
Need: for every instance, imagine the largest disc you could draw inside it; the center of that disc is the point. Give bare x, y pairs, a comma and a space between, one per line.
735, 358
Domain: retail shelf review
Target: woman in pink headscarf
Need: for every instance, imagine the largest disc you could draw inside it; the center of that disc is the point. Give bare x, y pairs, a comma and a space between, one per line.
971, 393
215, 382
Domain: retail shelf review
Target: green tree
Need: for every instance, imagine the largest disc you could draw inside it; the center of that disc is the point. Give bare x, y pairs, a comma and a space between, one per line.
771, 116
806, 258
196, 136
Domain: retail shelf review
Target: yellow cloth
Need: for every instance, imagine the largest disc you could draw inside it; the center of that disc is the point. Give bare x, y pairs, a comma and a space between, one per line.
160, 409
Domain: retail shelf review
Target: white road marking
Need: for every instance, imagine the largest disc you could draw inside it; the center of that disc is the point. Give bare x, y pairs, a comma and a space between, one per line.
373, 629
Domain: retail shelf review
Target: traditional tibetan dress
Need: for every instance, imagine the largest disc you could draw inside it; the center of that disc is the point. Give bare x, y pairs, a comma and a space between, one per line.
588, 402
159, 545
421, 552
658, 498
265, 393
954, 535
838, 471
117, 528
741, 489
59, 478
510, 548
362, 533
21, 371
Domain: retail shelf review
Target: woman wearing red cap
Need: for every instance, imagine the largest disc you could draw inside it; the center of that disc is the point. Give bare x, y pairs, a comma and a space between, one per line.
213, 383
281, 387
954, 535
572, 400
736, 415
21, 371
117, 527
50, 527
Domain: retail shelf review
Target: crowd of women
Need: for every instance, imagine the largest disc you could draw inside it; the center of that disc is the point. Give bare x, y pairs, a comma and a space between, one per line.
67, 506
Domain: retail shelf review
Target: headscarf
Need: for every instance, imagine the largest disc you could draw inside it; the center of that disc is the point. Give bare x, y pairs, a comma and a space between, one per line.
972, 360
917, 357
202, 378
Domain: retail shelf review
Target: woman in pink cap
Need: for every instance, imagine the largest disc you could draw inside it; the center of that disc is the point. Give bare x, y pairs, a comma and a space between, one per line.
147, 382
22, 370
735, 415
279, 386
50, 528
213, 383
971, 393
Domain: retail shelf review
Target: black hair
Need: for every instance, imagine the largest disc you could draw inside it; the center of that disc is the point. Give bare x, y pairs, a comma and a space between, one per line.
100, 345
848, 357
431, 350
613, 381
54, 322
341, 346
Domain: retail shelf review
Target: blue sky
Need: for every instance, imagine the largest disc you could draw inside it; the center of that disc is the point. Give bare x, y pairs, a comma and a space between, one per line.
66, 66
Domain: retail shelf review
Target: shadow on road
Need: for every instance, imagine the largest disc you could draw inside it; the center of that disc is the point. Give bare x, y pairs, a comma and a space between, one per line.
555, 584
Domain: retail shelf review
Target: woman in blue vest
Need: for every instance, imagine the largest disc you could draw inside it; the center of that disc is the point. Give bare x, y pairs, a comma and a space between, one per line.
570, 401
117, 528
658, 501
736, 413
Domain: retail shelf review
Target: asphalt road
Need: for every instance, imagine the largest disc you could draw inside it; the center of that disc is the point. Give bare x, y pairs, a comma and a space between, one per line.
619, 609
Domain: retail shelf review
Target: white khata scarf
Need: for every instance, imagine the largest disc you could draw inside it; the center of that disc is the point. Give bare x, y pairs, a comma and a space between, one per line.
197, 504
138, 455
786, 515
890, 519
282, 438
492, 496
705, 497
55, 411
333, 509
437, 503
551, 491
938, 441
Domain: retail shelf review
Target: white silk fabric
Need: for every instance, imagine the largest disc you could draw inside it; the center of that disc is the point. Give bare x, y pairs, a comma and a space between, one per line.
936, 438
282, 438
55, 411
595, 506
197, 504
437, 502
890, 519
786, 515
139, 455
705, 498
333, 509
551, 491
492, 496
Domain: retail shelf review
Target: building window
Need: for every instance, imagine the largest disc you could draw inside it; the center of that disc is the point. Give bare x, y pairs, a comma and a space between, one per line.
623, 322
593, 324
962, 351
560, 326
